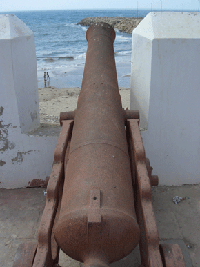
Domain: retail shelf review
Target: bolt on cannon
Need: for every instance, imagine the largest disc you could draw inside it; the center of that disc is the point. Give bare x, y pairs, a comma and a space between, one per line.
98, 205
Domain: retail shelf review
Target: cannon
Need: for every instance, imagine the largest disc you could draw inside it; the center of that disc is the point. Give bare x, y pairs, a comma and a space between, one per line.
98, 203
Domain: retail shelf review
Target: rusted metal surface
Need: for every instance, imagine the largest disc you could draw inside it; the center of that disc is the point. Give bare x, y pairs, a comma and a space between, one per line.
67, 116
172, 255
149, 238
38, 183
131, 114
25, 255
154, 180
47, 249
97, 221
64, 136
128, 114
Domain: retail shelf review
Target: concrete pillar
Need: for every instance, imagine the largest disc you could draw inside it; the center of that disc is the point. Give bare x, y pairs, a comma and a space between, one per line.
23, 156
18, 75
165, 87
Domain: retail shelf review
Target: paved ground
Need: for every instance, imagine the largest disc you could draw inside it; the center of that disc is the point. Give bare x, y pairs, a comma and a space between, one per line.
21, 209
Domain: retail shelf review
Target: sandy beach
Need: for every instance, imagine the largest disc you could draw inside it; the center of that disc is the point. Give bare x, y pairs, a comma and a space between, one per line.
53, 100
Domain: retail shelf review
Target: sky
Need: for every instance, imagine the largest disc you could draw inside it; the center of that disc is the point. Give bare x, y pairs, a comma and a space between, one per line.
20, 5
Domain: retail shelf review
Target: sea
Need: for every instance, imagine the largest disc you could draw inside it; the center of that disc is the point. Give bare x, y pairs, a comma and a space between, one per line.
61, 44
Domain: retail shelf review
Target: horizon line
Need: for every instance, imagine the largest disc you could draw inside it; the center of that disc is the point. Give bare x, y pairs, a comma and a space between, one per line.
99, 9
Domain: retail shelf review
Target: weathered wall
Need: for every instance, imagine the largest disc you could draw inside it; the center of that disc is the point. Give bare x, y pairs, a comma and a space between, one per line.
165, 88
23, 157
18, 74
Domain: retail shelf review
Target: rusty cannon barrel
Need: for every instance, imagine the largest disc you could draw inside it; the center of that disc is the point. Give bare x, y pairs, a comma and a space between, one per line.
97, 223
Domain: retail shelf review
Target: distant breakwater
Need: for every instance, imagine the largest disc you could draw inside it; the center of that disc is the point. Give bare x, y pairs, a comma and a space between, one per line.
123, 24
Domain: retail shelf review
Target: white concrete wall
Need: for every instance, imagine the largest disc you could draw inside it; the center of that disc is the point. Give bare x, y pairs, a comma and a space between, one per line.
18, 72
140, 96
23, 157
166, 90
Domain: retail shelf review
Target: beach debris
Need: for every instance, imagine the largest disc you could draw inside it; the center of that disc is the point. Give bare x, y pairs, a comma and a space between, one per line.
178, 199
189, 245
45, 192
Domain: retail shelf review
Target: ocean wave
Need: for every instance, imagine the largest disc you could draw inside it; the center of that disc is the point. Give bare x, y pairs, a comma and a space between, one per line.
123, 53
84, 28
52, 59
70, 24
74, 25
123, 38
44, 68
82, 55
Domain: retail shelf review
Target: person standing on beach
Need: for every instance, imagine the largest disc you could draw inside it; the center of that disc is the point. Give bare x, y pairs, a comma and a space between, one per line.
48, 80
45, 79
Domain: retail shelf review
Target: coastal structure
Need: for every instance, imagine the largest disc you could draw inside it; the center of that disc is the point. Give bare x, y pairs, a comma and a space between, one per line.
165, 88
24, 157
122, 24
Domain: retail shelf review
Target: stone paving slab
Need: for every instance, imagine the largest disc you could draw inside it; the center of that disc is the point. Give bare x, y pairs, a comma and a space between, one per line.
21, 210
183, 247
185, 215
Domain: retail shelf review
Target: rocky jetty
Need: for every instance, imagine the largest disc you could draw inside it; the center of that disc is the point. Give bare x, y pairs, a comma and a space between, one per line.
123, 24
